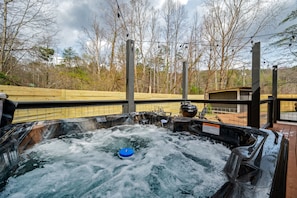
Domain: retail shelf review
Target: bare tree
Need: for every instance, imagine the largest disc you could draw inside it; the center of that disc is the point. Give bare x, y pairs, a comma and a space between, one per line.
166, 13
144, 24
153, 50
179, 54
116, 35
138, 20
24, 22
195, 52
229, 26
174, 16
93, 47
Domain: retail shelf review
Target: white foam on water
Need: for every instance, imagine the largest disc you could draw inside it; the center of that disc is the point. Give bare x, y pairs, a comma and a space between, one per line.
165, 164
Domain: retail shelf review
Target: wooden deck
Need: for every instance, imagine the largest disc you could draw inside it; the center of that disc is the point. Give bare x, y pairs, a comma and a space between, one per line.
239, 119
290, 130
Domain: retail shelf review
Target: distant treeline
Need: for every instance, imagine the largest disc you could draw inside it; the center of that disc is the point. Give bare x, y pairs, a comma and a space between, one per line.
83, 78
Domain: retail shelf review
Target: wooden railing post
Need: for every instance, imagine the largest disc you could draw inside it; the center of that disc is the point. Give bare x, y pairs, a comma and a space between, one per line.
274, 93
270, 111
185, 81
255, 106
129, 77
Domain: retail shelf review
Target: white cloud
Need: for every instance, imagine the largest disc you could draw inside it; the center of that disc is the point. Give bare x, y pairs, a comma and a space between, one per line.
183, 2
159, 3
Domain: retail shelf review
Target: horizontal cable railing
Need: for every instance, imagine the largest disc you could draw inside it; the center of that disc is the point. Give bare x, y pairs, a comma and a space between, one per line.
239, 115
286, 109
56, 104
266, 111
45, 110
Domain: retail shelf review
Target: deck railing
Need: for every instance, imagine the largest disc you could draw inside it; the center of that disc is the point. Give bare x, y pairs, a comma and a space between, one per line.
46, 109
266, 112
286, 109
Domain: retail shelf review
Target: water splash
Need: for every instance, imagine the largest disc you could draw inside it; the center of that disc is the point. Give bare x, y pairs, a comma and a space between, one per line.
165, 164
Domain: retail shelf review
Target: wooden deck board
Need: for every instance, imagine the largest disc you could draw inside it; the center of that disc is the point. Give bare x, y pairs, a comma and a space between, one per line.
233, 118
289, 132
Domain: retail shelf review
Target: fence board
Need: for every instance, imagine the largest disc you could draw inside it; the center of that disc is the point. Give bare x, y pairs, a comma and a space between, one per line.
19, 93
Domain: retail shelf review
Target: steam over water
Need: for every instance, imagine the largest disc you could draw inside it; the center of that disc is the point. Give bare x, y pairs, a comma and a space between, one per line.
165, 164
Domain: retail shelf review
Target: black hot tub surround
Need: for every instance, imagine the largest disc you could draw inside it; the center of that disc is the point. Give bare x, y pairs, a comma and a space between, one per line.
256, 166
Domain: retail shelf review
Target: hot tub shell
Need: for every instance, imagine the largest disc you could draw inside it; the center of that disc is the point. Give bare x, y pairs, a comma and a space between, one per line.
257, 165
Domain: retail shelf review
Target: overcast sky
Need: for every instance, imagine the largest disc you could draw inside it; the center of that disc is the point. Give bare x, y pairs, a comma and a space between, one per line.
72, 15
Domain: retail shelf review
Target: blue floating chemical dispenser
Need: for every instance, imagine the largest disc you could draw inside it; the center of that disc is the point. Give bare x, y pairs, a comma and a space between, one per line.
125, 152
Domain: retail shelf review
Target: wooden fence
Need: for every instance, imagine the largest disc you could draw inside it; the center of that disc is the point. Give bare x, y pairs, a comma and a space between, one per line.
18, 93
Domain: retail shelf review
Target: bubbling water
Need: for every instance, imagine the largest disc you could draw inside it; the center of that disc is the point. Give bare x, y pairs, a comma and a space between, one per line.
165, 164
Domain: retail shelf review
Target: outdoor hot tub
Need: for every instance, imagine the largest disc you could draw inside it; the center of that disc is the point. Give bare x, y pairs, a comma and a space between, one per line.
172, 157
